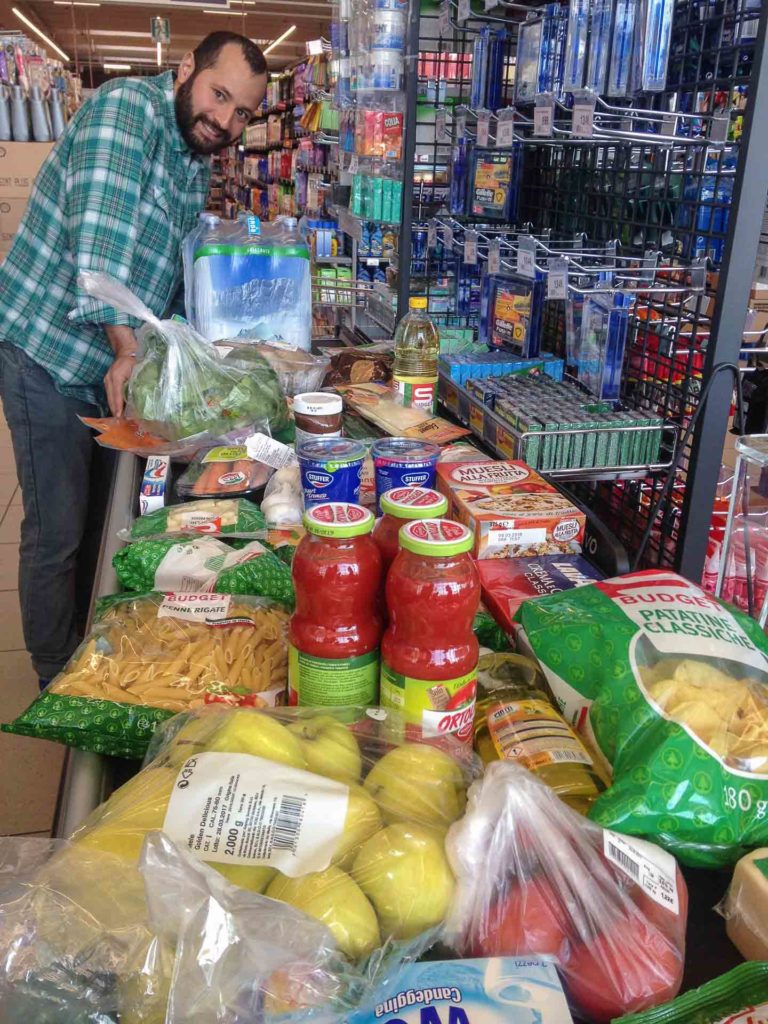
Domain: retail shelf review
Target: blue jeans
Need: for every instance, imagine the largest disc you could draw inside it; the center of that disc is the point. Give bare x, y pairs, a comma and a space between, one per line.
53, 452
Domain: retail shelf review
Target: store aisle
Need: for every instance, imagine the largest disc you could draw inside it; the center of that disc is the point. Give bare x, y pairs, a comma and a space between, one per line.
29, 768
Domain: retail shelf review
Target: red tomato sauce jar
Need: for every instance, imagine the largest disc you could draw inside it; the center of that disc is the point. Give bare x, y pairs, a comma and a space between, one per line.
399, 506
334, 634
429, 651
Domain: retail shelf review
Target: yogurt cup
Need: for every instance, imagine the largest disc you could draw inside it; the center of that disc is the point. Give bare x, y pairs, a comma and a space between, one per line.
387, 30
403, 462
331, 470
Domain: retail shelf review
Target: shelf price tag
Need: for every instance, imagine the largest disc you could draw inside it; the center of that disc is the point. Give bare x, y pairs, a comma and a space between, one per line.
488, 5
431, 235
354, 164
444, 19
543, 117
557, 279
526, 257
460, 122
465, 10
440, 131
505, 133
483, 127
448, 237
470, 247
583, 124
494, 256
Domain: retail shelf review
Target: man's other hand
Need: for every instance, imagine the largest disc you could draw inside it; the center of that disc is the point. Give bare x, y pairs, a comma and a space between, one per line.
115, 380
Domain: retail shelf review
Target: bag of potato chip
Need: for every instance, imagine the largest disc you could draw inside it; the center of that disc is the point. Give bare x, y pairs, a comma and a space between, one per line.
672, 685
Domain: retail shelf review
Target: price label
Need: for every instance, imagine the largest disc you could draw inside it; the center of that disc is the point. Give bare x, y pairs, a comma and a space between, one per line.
526, 258
354, 164
489, 4
543, 120
444, 20
470, 247
483, 128
461, 126
669, 125
505, 134
431, 235
719, 127
557, 279
583, 125
448, 237
465, 10
494, 256
440, 132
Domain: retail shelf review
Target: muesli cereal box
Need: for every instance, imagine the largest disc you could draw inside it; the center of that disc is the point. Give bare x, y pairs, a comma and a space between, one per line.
513, 511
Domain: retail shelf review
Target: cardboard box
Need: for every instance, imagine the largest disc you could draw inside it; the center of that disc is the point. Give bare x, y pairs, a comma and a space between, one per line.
19, 165
11, 212
513, 511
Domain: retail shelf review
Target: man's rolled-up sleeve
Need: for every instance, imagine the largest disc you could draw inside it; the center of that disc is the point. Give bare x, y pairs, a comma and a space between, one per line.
103, 194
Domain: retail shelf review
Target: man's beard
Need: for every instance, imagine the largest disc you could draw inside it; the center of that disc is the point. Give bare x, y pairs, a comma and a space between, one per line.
187, 121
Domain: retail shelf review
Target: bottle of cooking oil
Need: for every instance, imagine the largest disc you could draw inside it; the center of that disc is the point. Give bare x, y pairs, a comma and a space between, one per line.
515, 719
417, 347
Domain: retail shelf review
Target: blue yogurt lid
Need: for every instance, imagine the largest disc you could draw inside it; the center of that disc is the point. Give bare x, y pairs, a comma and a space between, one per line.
332, 449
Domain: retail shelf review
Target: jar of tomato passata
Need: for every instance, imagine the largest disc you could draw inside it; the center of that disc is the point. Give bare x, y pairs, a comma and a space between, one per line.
334, 633
429, 652
400, 505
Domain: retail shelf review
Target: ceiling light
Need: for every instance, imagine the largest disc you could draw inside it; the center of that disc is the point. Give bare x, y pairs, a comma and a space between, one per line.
36, 30
73, 3
159, 54
116, 67
230, 14
280, 39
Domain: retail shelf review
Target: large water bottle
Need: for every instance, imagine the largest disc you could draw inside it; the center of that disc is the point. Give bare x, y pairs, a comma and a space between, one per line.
417, 348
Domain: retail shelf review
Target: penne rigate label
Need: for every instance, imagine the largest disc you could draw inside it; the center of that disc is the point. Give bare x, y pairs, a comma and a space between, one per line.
208, 609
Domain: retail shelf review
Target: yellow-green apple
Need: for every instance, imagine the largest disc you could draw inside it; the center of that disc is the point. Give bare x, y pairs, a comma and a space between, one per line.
329, 747
362, 821
250, 732
418, 782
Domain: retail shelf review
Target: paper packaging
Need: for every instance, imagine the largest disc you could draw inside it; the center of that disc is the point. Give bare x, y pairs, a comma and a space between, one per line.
11, 213
19, 166
513, 511
498, 990
153, 484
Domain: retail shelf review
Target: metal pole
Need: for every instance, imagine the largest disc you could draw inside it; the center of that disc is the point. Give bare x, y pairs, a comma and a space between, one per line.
734, 285
409, 152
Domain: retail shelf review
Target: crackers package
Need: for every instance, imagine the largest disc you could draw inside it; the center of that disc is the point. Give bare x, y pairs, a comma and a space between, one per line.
513, 511
672, 687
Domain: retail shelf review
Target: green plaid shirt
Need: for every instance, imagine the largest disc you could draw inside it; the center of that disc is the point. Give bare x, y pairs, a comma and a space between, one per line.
118, 193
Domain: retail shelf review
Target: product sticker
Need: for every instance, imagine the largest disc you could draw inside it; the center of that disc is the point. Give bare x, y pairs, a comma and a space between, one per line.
532, 733
243, 809
200, 522
652, 868
201, 608
195, 565
272, 453
483, 125
415, 393
233, 453
332, 681
505, 538
436, 708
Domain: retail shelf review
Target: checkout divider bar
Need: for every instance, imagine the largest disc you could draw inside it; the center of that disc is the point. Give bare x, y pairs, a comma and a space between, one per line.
87, 778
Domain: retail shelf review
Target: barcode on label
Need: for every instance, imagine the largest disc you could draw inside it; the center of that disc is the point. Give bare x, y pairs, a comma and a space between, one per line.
624, 861
575, 756
290, 815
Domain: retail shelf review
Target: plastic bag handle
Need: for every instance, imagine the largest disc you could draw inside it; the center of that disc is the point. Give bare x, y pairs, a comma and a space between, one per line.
109, 290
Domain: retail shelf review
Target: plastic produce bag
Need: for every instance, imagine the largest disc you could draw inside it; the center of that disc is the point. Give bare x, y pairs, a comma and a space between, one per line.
283, 502
245, 279
205, 564
224, 471
214, 517
180, 388
150, 656
672, 684
534, 877
298, 371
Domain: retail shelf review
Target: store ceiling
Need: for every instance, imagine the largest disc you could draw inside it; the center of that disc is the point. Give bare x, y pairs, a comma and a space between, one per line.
114, 31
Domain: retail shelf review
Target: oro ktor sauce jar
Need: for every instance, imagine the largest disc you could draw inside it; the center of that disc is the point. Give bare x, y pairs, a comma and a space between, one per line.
399, 506
334, 634
429, 651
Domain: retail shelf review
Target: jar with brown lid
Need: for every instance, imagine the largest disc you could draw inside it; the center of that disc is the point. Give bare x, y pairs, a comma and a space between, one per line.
317, 413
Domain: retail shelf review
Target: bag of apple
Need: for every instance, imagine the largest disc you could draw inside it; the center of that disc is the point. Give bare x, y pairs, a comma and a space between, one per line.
535, 877
323, 809
672, 687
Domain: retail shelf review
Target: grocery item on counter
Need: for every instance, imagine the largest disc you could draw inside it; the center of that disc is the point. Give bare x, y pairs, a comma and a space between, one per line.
359, 366
149, 656
317, 413
515, 720
374, 402
399, 506
179, 387
403, 462
429, 652
298, 371
507, 582
494, 990
535, 877
489, 633
336, 628
672, 686
511, 509
204, 564
331, 470
283, 501
153, 484
417, 347
215, 517
224, 471
125, 921
745, 907
738, 997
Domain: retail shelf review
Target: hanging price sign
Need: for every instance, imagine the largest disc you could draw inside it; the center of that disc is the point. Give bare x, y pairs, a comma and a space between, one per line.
444, 19
583, 125
505, 134
483, 128
461, 126
465, 10
440, 132
431, 235
526, 257
494, 256
448, 237
488, 5
543, 120
557, 279
470, 247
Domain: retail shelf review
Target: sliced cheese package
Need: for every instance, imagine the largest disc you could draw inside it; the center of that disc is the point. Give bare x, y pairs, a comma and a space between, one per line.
213, 517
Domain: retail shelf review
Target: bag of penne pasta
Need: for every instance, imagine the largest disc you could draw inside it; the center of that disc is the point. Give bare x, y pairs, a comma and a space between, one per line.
149, 656
212, 517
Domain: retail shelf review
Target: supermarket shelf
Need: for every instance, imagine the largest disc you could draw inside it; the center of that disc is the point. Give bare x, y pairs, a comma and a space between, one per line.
333, 261
507, 443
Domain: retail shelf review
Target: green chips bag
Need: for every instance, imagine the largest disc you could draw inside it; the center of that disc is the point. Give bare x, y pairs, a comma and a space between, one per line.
672, 686
214, 517
204, 564
738, 997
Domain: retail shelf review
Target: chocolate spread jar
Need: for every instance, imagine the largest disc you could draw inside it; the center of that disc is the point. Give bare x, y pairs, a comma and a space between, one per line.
317, 414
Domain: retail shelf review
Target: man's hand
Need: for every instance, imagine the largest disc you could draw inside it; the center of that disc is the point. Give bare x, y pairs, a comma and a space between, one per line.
125, 347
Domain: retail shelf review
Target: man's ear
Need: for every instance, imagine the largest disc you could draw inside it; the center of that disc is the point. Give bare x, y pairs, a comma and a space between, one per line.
186, 67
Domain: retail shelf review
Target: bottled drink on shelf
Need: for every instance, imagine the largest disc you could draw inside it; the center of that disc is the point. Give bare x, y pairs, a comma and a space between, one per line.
417, 347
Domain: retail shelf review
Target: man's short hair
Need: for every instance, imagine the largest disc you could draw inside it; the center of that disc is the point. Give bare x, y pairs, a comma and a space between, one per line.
206, 53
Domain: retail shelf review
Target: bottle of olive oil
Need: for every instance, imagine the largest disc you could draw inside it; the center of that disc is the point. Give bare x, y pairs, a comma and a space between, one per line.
515, 720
